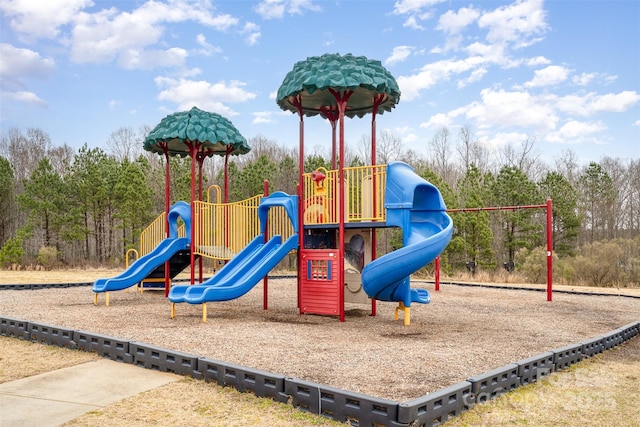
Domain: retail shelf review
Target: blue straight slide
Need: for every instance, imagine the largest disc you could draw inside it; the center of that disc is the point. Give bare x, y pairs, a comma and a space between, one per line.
251, 264
416, 206
240, 275
145, 265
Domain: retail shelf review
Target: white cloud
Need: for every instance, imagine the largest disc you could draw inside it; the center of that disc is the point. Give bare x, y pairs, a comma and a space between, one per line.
41, 19
413, 6
399, 54
206, 48
109, 34
19, 64
498, 140
576, 132
297, 7
262, 117
252, 33
440, 120
453, 23
412, 23
271, 9
25, 97
276, 9
489, 53
583, 79
475, 76
615, 102
502, 109
406, 133
17, 68
551, 75
591, 103
515, 23
148, 59
207, 96
437, 121
507, 27
434, 73
538, 60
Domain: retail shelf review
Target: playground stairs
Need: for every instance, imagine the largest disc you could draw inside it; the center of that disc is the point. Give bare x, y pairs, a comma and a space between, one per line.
177, 263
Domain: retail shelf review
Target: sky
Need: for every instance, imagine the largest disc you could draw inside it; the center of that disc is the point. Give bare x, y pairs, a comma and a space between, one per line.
562, 73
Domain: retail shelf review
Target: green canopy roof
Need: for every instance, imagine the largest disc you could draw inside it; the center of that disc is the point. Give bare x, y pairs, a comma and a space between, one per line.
215, 132
313, 77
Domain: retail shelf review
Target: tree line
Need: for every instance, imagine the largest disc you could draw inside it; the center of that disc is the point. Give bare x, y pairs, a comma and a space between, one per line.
88, 206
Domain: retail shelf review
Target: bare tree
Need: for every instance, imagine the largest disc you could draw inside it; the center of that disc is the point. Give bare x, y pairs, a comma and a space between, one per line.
60, 158
465, 146
415, 159
615, 212
124, 144
525, 158
261, 146
364, 149
632, 209
388, 147
24, 151
567, 165
441, 155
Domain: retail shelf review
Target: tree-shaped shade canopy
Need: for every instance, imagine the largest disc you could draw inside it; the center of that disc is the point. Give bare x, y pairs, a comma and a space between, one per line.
216, 134
316, 77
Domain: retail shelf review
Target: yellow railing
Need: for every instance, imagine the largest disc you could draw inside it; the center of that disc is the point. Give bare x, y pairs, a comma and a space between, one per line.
155, 233
216, 189
152, 235
222, 230
364, 196
278, 223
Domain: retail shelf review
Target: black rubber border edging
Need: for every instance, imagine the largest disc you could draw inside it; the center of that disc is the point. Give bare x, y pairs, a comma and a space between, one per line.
341, 405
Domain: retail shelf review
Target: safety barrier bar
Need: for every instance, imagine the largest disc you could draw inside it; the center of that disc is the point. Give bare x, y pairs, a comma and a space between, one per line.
342, 405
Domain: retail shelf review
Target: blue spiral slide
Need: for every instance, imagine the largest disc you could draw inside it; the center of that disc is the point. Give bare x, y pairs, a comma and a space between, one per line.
145, 265
417, 207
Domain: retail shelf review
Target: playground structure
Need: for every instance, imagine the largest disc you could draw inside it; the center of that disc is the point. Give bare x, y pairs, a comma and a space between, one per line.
330, 223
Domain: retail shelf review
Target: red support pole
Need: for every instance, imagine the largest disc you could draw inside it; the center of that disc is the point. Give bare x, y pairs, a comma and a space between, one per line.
437, 273
342, 98
297, 102
549, 250
377, 100
167, 206
201, 157
194, 147
265, 280
226, 173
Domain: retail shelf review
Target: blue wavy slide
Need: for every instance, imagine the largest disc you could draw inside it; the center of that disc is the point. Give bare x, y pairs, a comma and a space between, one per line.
250, 265
145, 265
416, 206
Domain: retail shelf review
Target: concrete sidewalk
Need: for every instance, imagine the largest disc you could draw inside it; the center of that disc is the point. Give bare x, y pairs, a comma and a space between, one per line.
55, 397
